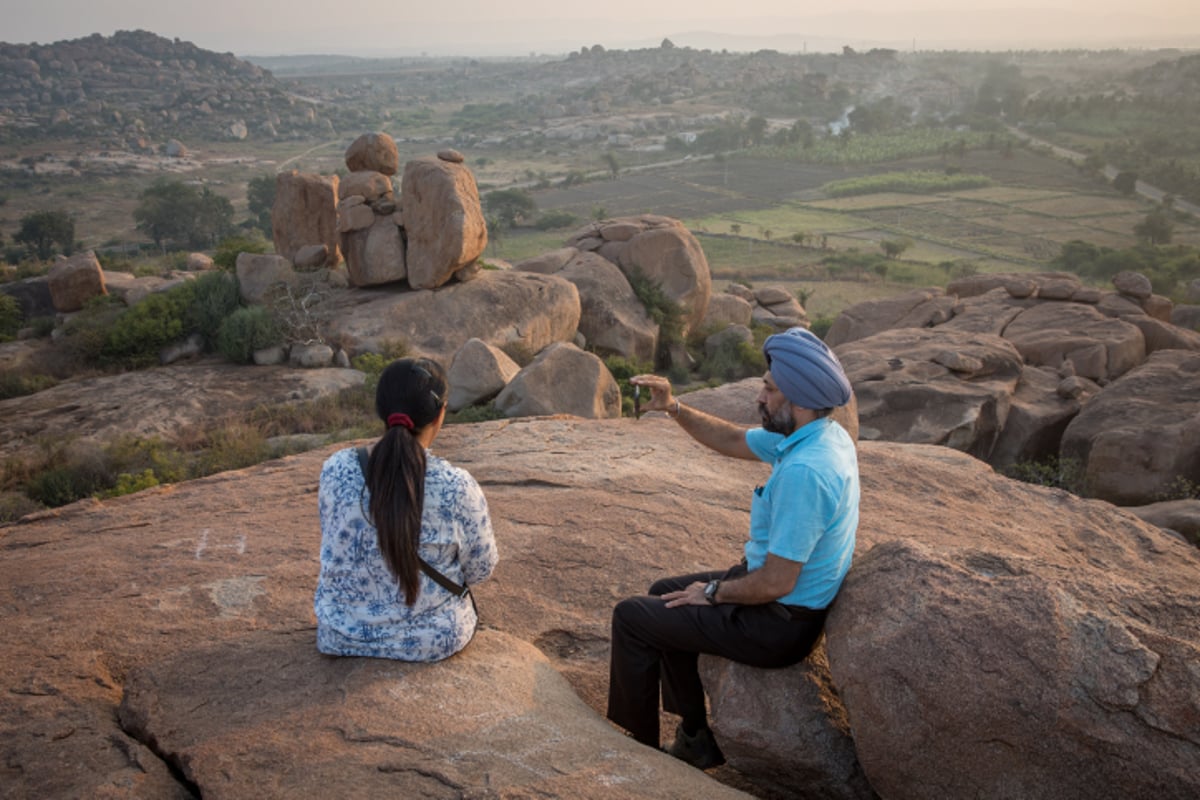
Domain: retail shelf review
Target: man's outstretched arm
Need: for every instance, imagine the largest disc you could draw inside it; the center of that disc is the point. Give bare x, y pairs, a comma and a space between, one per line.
721, 435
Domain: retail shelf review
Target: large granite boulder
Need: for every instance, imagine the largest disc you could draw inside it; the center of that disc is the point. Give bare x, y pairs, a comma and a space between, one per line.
1017, 642
933, 386
261, 274
75, 280
549, 262
1179, 516
477, 374
375, 254
374, 152
518, 312
1042, 406
443, 219
32, 295
612, 320
725, 309
562, 380
1140, 436
305, 213
658, 249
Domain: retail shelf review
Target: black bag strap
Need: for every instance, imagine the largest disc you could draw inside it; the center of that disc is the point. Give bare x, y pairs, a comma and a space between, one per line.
450, 586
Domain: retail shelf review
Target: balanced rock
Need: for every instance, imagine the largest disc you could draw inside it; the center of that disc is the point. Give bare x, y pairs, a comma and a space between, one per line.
375, 255
562, 380
375, 152
75, 280
1133, 284
367, 184
726, 309
443, 219
477, 374
304, 213
612, 318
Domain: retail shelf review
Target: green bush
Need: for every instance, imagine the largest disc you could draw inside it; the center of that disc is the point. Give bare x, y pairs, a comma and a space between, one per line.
1065, 473
226, 253
65, 484
622, 369
10, 317
551, 220
15, 384
483, 413
128, 483
247, 330
86, 332
139, 333
662, 309
215, 296
733, 360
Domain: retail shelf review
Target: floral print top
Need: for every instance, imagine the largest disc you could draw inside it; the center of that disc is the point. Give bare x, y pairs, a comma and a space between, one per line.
359, 604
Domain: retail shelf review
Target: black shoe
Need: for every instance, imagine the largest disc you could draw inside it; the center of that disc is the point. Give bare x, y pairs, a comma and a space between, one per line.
700, 751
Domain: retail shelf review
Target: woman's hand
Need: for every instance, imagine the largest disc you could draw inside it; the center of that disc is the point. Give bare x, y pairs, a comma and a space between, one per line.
660, 391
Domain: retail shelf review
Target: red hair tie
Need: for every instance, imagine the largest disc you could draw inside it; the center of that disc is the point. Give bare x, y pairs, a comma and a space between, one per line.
403, 420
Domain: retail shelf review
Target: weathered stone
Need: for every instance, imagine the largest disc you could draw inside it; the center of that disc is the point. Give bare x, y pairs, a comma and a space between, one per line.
1163, 335
671, 257
764, 316
1087, 294
786, 726
744, 292
373, 151
726, 309
1113, 304
444, 221
1101, 348
32, 295
549, 262
773, 295
468, 273
478, 373
518, 312
451, 155
310, 355
1042, 406
989, 312
304, 213
312, 256
199, 262
1058, 289
612, 318
905, 395
919, 308
1158, 307
261, 274
367, 184
1133, 284
1193, 290
1139, 436
562, 380
619, 231
190, 347
375, 256
1187, 317
354, 215
75, 280
1180, 516
269, 356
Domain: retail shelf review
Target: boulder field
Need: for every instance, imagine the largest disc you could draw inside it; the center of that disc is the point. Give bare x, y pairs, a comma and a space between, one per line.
994, 639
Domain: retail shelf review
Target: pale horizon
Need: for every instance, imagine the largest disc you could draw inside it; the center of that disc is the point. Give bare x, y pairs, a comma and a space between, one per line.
477, 28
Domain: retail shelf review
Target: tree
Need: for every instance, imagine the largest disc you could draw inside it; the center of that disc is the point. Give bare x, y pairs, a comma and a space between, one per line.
614, 166
1156, 228
174, 214
894, 248
510, 206
1126, 182
41, 230
756, 129
260, 197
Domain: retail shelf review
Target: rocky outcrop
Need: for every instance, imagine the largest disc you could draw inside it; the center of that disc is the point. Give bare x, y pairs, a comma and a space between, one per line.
373, 153
993, 642
658, 249
75, 280
477, 374
1074, 343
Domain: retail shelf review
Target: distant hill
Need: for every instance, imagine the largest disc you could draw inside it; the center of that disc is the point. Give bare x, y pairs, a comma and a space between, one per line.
135, 90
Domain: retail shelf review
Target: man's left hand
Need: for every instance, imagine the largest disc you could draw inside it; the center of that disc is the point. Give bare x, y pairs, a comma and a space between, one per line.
693, 595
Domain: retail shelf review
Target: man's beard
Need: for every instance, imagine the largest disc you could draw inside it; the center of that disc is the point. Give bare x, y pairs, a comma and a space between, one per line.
780, 422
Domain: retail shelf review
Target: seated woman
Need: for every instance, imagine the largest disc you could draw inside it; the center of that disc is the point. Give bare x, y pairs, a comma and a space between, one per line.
374, 596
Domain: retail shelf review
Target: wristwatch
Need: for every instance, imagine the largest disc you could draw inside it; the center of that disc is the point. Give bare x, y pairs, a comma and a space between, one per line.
710, 591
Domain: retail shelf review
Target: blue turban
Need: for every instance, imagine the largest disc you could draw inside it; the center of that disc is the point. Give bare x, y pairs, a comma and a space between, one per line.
806, 370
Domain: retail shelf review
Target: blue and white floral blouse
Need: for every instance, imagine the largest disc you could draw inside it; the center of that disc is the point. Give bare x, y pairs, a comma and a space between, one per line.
359, 605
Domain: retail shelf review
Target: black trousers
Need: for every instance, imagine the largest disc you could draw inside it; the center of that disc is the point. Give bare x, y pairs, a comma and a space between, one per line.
653, 644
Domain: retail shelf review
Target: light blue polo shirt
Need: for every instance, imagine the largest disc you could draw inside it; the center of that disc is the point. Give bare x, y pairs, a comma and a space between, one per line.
807, 511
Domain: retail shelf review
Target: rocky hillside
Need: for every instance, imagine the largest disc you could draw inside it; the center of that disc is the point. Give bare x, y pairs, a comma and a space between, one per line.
137, 90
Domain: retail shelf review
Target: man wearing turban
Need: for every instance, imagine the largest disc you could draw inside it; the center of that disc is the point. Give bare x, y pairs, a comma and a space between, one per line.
769, 610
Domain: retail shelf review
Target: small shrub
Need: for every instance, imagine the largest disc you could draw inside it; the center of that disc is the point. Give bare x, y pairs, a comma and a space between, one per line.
86, 333
820, 326
215, 296
61, 485
10, 317
129, 484
247, 330
482, 413
733, 360
14, 505
662, 309
233, 446
622, 369
551, 220
1064, 473
1180, 489
139, 333
16, 384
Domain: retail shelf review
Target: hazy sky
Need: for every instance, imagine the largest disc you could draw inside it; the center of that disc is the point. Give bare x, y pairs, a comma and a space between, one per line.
517, 27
